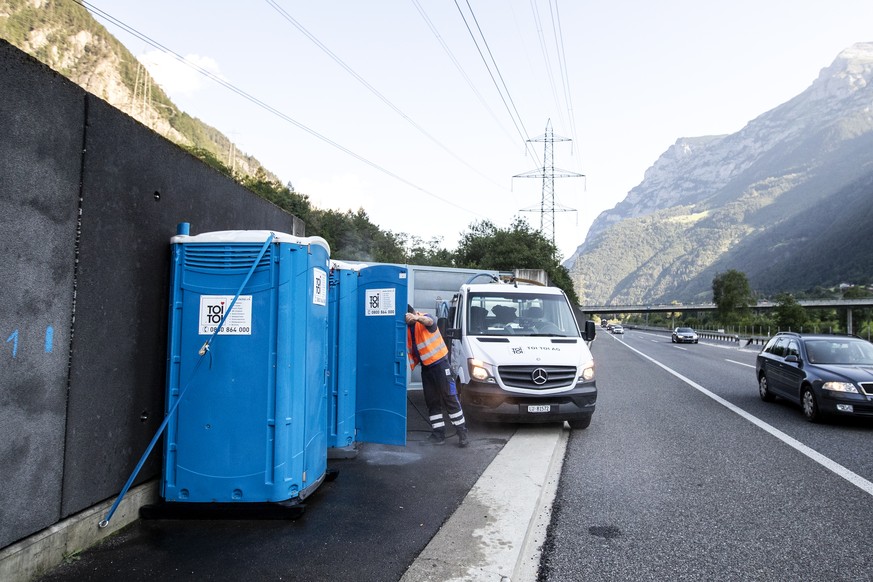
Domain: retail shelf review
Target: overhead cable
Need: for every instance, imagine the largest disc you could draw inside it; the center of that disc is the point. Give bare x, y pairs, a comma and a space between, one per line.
562, 59
370, 88
460, 69
264, 105
546, 60
516, 118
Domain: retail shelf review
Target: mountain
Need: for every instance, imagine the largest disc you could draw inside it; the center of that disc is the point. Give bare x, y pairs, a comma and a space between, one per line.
788, 200
65, 36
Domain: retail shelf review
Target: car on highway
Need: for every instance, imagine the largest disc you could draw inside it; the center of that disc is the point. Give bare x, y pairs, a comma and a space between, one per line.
617, 328
684, 335
826, 375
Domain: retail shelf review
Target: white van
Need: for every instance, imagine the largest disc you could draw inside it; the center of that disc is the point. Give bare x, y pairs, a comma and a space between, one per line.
518, 355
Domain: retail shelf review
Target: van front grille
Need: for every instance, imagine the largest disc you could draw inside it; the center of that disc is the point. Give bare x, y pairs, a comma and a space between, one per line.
537, 377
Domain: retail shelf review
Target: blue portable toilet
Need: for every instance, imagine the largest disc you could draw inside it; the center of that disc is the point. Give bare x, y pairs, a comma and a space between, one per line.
251, 403
367, 354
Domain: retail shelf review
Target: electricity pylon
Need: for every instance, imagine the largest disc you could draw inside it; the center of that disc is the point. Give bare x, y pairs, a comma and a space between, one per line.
548, 173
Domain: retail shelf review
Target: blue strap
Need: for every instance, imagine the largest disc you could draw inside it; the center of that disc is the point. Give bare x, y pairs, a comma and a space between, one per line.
203, 351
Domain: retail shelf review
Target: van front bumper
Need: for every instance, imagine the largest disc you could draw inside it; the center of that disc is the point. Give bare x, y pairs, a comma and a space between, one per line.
489, 402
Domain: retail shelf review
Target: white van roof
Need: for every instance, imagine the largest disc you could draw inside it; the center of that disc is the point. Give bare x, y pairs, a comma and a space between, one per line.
509, 288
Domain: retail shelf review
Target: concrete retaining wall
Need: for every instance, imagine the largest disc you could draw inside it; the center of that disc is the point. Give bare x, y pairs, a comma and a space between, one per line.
89, 199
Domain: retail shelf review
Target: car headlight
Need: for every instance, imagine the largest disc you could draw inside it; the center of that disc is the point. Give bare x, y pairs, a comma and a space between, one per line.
840, 387
587, 374
480, 371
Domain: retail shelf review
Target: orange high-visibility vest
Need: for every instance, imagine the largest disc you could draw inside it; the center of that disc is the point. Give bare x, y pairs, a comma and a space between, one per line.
430, 347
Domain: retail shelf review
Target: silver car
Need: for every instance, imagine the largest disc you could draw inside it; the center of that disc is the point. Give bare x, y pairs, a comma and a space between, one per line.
684, 335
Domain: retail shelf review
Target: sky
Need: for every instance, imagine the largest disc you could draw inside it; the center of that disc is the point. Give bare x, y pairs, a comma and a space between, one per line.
421, 112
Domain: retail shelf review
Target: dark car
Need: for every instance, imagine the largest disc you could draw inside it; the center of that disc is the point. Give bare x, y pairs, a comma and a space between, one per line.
684, 335
825, 374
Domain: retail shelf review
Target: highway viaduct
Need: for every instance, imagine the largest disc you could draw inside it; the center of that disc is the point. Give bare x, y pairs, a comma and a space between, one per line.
848, 304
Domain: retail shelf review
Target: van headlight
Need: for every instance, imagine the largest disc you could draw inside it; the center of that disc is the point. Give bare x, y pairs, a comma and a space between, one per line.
480, 371
587, 374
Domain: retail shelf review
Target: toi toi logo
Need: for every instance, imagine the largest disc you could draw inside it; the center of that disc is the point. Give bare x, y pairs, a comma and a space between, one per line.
214, 313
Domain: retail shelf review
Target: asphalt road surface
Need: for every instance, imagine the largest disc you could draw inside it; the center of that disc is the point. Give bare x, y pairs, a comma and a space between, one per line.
685, 474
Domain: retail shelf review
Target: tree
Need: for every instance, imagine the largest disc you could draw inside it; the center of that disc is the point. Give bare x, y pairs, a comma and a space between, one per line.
732, 295
353, 237
282, 196
419, 252
789, 314
485, 246
856, 292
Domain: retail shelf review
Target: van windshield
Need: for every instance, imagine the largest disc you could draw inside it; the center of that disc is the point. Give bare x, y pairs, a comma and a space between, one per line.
524, 314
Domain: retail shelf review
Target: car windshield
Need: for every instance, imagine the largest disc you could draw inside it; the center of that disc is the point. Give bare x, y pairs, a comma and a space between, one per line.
840, 351
525, 314
684, 330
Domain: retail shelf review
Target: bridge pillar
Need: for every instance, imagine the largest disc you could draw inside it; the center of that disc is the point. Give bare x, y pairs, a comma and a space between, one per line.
849, 320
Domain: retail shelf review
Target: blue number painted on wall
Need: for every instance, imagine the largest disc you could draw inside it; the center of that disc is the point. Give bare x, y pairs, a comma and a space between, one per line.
48, 344
14, 339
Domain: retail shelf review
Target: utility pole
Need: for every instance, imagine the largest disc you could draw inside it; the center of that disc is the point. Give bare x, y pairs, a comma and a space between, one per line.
548, 173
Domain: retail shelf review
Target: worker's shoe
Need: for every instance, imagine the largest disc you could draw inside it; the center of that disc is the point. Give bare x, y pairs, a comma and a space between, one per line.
436, 438
463, 441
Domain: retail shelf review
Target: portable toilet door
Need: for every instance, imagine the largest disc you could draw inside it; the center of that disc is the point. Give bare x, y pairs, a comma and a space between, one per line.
380, 394
342, 353
367, 354
250, 407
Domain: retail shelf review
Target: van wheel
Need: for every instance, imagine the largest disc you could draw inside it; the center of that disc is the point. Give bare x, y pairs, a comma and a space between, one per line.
580, 424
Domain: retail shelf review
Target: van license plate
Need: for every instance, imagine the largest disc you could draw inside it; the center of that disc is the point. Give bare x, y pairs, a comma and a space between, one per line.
539, 408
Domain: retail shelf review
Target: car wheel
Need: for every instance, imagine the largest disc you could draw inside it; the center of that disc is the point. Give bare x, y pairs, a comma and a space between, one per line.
673, 340
580, 424
810, 405
764, 389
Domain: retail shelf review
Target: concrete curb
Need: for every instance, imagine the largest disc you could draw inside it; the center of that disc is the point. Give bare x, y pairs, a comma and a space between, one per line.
528, 564
36, 555
497, 532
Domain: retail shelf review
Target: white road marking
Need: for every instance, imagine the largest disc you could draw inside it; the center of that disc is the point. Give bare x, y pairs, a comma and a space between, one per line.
822, 460
740, 363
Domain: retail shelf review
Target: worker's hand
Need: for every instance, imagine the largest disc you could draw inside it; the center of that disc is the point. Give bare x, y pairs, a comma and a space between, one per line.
411, 318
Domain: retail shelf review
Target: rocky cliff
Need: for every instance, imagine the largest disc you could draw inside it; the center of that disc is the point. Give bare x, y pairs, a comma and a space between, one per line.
709, 204
65, 36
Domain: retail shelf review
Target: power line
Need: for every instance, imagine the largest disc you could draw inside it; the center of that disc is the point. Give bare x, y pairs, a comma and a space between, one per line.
565, 76
264, 105
516, 119
460, 69
370, 88
545, 51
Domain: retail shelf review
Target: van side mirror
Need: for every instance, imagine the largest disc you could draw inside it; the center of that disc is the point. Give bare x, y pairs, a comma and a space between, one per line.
590, 330
453, 333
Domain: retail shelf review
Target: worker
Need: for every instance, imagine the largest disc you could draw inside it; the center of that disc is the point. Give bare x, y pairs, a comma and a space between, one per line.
425, 346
